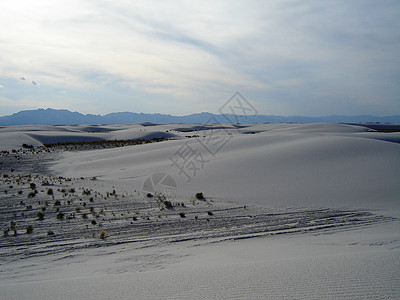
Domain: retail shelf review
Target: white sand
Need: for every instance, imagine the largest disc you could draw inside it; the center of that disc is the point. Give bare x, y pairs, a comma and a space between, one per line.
302, 166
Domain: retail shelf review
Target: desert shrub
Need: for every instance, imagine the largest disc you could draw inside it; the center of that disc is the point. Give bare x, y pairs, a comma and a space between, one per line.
168, 204
84, 216
149, 195
210, 213
31, 194
40, 215
27, 146
60, 216
50, 192
86, 192
71, 190
32, 186
19, 192
102, 234
49, 232
94, 222
57, 203
199, 196
29, 229
182, 215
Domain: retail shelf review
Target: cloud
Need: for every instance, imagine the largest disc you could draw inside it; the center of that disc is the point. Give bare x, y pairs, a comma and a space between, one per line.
34, 82
1, 86
288, 56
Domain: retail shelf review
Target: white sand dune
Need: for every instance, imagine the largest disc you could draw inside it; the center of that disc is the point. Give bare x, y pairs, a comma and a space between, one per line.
12, 137
311, 165
285, 167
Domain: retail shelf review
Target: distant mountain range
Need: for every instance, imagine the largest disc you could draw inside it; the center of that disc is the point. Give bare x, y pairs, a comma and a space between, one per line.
66, 117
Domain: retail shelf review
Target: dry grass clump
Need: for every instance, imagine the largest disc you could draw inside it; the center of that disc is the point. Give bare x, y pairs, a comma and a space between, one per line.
86, 192
102, 234
32, 194
29, 229
199, 196
168, 204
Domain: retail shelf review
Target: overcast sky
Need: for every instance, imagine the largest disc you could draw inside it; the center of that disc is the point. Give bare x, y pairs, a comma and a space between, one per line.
310, 58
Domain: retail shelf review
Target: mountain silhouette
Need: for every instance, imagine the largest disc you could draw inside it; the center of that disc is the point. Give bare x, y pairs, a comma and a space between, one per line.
65, 117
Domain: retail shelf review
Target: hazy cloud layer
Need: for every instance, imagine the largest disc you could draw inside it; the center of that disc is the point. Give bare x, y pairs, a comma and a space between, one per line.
286, 57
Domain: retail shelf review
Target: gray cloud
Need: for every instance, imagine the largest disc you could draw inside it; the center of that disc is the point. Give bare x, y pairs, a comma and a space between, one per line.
289, 57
